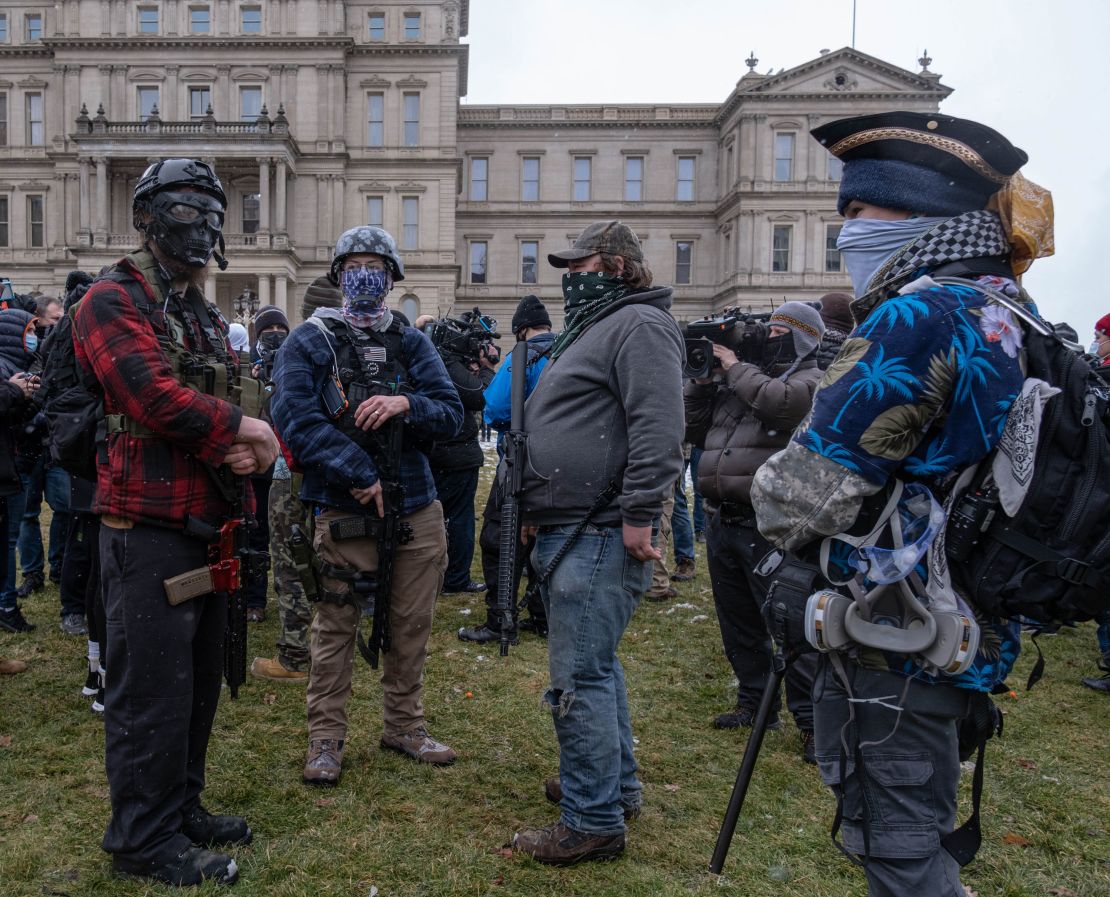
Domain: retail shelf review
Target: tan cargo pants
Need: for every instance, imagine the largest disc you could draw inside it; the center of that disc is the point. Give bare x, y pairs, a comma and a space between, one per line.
417, 576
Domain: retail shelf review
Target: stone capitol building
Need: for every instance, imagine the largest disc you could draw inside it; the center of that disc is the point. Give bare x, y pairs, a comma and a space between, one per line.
320, 114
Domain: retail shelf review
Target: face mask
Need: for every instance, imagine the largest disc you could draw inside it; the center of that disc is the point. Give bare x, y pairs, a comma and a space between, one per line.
186, 225
585, 286
31, 342
1092, 349
777, 349
268, 343
867, 243
364, 292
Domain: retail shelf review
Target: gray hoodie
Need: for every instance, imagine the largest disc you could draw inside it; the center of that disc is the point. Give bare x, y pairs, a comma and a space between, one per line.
609, 409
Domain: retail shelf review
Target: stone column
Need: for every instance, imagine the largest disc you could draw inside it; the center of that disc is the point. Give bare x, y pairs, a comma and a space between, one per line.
106, 87
84, 199
323, 226
210, 288
223, 101
118, 110
324, 113
263, 290
101, 220
814, 151
281, 298
745, 148
338, 105
171, 17
264, 196
168, 100
279, 197
105, 17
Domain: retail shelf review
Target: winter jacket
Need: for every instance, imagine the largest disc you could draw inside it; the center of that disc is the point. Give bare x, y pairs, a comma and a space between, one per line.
608, 410
499, 392
462, 452
741, 420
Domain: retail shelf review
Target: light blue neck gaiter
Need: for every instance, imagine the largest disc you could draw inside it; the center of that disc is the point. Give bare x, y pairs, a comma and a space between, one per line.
867, 243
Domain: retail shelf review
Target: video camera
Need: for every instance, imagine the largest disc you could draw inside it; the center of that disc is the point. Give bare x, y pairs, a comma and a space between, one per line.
469, 337
742, 332
9, 298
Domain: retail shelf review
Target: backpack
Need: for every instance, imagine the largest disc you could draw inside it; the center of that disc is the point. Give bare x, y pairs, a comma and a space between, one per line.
1050, 561
72, 404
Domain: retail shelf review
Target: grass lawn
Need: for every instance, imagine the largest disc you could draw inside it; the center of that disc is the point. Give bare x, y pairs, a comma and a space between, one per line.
395, 828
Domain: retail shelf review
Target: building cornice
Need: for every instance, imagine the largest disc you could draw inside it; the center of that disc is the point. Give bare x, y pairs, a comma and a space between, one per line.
343, 43
645, 116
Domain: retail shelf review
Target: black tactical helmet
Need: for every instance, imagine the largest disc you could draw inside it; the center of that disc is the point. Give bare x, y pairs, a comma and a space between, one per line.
369, 239
178, 173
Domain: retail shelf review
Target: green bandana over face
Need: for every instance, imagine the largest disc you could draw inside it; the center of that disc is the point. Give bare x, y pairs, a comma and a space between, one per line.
586, 295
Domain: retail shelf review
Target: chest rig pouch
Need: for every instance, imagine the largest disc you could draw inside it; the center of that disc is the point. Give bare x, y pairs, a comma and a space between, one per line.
194, 340
367, 363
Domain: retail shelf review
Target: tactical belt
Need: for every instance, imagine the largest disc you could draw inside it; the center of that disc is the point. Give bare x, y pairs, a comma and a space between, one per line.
361, 526
733, 513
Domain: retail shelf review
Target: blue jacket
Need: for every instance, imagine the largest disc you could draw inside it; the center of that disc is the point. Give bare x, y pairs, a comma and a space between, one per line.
498, 399
332, 463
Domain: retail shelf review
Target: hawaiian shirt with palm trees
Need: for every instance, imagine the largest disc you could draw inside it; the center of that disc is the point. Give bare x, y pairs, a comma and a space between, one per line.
920, 390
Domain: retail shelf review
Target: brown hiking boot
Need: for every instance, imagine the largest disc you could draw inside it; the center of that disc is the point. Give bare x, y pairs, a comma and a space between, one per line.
553, 791
324, 763
11, 667
664, 594
272, 668
558, 845
419, 745
685, 571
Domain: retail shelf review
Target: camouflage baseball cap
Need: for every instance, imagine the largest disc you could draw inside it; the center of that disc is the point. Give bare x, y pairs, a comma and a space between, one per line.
613, 237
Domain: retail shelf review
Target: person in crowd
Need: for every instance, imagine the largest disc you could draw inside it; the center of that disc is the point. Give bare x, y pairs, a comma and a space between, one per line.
532, 324
914, 195
456, 463
682, 526
239, 336
1100, 350
661, 588
18, 342
174, 449
338, 446
286, 511
741, 416
604, 450
837, 315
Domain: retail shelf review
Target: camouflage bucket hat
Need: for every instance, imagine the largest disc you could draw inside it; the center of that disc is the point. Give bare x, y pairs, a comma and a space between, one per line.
613, 237
367, 238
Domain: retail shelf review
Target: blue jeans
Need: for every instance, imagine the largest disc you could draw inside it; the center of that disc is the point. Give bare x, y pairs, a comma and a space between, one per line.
53, 483
699, 510
682, 529
1104, 636
589, 600
17, 502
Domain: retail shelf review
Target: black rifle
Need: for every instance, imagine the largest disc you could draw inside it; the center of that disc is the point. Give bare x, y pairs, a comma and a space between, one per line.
747, 764
380, 584
510, 509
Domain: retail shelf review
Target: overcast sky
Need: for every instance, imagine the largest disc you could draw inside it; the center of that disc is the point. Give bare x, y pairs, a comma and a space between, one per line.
1034, 70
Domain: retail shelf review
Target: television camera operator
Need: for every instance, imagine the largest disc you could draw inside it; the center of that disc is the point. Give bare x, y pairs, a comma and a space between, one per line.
752, 381
466, 345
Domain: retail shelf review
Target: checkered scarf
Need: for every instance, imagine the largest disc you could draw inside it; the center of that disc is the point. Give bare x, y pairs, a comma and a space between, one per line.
971, 235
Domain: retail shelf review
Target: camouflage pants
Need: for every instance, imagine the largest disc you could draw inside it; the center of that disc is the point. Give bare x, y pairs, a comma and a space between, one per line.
294, 609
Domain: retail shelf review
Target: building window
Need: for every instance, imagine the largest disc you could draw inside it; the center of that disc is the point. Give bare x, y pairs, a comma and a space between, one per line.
683, 261
148, 20
375, 211
479, 255
36, 222
3, 27
633, 178
34, 27
198, 20
375, 114
530, 179
250, 20
200, 98
147, 100
781, 237
684, 186
582, 179
252, 208
412, 26
412, 119
529, 261
3, 119
727, 266
375, 26
479, 179
784, 157
834, 168
410, 222
4, 221
833, 262
730, 155
35, 132
250, 103
410, 306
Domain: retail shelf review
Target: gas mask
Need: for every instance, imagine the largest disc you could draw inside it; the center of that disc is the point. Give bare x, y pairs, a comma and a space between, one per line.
185, 225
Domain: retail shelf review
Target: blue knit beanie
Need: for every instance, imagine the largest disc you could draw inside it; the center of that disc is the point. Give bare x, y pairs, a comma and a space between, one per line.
894, 184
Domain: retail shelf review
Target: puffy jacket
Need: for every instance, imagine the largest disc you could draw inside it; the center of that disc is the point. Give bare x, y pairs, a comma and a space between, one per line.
743, 419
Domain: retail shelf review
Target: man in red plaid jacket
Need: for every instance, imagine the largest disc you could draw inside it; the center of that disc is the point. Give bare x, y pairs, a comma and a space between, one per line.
161, 357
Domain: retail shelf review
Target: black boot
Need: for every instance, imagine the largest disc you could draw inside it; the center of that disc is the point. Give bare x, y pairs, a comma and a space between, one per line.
208, 830
486, 632
191, 867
